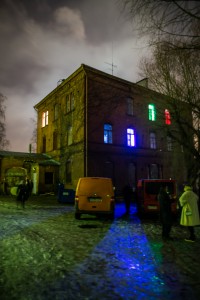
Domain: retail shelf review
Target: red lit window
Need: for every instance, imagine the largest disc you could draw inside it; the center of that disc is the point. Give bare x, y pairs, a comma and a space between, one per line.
167, 117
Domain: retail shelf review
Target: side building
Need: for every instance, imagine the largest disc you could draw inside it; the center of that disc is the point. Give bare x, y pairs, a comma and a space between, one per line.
96, 124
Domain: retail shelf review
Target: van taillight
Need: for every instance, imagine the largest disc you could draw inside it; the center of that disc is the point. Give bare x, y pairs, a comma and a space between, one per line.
76, 198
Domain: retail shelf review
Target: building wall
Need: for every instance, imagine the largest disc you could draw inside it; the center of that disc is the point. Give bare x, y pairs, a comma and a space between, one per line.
99, 99
34, 172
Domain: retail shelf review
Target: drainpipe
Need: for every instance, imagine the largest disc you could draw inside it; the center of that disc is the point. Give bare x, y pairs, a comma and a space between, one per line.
86, 128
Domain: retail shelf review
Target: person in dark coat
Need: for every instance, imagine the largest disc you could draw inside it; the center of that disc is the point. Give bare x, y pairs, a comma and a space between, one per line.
166, 219
127, 195
22, 193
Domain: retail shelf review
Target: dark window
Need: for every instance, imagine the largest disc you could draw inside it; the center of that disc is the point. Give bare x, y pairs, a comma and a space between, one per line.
44, 144
55, 140
154, 187
48, 177
68, 172
129, 102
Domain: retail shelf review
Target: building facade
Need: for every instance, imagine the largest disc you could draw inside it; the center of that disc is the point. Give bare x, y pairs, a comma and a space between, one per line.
96, 124
39, 168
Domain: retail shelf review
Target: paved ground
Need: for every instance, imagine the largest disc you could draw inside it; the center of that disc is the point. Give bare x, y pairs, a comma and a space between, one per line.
47, 254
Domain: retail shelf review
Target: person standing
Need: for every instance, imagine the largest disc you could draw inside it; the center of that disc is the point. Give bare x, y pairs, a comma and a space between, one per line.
190, 212
22, 193
166, 217
127, 194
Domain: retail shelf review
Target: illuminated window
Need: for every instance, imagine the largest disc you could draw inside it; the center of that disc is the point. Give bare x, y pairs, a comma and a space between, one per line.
152, 137
152, 112
167, 117
107, 134
130, 137
169, 143
129, 103
45, 118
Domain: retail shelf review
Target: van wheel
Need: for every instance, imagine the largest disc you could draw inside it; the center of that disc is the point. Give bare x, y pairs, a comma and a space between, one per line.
77, 216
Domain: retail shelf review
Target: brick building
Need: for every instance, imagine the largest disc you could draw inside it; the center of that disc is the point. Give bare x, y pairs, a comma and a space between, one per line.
96, 124
39, 168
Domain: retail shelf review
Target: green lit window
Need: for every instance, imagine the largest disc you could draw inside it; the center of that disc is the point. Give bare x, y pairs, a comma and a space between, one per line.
152, 112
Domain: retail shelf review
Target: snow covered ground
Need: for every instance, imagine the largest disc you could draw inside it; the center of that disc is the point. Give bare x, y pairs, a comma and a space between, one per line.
46, 254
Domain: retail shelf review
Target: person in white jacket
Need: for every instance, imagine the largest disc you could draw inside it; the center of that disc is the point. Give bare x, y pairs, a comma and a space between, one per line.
190, 211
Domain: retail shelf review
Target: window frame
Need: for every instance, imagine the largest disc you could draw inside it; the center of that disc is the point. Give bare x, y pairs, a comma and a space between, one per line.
129, 106
45, 118
151, 112
152, 140
130, 135
108, 133
167, 117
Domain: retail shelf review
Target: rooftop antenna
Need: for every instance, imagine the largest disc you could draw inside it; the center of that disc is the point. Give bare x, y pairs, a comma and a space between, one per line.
112, 64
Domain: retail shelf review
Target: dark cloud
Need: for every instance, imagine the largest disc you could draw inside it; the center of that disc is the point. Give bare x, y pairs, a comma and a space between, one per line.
43, 41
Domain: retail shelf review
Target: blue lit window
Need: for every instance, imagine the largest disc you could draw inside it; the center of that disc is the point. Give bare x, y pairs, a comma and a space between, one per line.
152, 112
107, 134
130, 137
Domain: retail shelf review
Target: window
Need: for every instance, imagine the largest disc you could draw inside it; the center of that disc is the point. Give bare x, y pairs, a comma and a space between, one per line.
55, 111
169, 143
154, 171
107, 134
130, 137
48, 177
152, 112
152, 140
45, 120
55, 140
68, 171
70, 102
69, 135
167, 117
44, 144
129, 103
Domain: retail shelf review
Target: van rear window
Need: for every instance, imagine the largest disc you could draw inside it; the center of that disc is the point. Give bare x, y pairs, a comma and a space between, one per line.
154, 187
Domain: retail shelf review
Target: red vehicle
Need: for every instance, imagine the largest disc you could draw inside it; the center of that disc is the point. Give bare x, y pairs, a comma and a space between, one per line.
147, 191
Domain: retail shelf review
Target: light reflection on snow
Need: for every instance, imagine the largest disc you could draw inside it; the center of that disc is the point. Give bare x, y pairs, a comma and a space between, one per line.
132, 267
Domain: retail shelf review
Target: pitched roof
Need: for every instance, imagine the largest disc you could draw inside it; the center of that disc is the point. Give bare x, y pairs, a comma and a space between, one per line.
41, 158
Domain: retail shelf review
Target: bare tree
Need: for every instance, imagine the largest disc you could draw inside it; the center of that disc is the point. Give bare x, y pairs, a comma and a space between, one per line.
169, 20
176, 73
33, 141
173, 32
4, 143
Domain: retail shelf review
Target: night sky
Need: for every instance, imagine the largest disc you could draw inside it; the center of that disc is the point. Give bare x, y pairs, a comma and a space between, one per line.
43, 41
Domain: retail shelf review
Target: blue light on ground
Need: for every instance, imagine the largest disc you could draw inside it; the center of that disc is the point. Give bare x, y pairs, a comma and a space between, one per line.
135, 274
